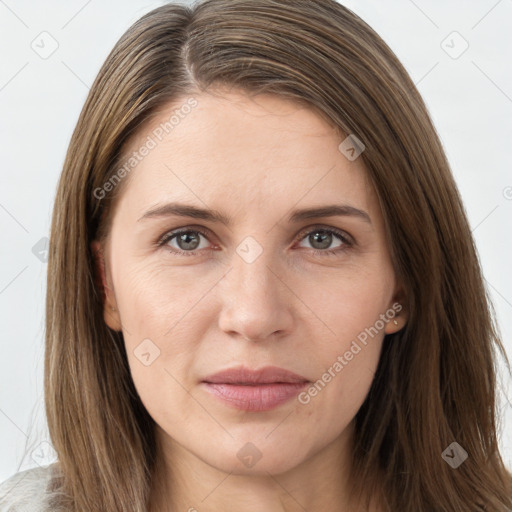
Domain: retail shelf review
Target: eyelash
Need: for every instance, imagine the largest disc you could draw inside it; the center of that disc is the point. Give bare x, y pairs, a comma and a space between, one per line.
344, 237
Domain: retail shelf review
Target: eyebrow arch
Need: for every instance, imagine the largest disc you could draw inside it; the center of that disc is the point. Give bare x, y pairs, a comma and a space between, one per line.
298, 215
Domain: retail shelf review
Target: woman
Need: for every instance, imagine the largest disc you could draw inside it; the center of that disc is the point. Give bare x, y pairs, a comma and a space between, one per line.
257, 237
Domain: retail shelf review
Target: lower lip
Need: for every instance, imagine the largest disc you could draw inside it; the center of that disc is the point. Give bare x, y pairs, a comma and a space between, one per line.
256, 398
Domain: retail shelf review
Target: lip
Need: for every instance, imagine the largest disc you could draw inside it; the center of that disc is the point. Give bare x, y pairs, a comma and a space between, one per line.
244, 375
255, 390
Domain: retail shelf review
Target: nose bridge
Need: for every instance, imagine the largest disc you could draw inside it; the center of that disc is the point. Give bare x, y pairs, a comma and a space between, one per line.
252, 272
254, 301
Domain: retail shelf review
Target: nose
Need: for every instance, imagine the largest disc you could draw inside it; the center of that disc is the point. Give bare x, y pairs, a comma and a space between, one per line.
256, 301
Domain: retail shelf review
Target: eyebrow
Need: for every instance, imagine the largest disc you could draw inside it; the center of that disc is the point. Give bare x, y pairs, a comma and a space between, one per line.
298, 215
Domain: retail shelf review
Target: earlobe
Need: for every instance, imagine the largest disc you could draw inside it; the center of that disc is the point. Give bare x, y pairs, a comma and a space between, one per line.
110, 313
394, 325
397, 312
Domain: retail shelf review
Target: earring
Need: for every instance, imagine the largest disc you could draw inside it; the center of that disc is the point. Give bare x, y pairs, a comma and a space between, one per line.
395, 322
113, 309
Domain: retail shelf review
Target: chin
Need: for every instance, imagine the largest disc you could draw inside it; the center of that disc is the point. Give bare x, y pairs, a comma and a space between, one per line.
260, 457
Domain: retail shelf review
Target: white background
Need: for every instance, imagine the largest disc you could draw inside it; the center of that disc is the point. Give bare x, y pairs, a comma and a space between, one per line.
469, 98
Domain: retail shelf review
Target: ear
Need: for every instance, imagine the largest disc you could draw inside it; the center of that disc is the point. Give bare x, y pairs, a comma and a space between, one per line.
103, 285
397, 312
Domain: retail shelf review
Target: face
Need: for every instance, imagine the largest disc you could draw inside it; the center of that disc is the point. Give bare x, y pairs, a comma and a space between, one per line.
268, 285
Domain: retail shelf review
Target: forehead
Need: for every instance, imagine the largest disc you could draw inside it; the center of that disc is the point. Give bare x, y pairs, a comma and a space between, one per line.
259, 151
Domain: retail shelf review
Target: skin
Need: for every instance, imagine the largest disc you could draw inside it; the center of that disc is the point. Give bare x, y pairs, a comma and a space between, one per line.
254, 160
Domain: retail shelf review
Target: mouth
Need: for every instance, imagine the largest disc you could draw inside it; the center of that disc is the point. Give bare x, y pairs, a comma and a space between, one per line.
255, 390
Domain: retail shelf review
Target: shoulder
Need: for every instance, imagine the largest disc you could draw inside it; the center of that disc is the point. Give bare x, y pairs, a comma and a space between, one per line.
26, 491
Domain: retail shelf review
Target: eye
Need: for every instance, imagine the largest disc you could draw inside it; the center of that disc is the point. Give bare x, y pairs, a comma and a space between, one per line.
187, 240
321, 239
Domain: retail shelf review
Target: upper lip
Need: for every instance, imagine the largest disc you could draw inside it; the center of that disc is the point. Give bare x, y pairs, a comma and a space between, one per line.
244, 375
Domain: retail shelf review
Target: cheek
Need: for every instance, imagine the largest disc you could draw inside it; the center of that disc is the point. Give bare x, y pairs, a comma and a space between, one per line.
156, 298
348, 354
341, 386
159, 337
345, 301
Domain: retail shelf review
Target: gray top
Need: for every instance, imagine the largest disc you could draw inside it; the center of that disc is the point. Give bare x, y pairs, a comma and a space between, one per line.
26, 491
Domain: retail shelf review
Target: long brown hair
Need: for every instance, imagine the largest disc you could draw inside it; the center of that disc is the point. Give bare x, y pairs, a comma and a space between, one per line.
436, 379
